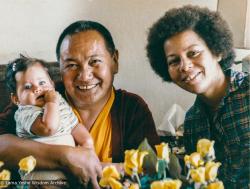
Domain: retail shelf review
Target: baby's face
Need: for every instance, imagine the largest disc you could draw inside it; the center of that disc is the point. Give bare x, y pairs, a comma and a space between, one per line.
32, 84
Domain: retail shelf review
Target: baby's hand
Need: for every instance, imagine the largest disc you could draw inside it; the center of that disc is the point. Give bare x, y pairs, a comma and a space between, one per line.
51, 96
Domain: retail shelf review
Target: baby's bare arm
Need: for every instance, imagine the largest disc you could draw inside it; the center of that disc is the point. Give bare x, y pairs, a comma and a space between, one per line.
82, 136
48, 124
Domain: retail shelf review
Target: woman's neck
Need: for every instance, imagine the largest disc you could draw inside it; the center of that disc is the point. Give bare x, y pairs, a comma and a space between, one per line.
216, 93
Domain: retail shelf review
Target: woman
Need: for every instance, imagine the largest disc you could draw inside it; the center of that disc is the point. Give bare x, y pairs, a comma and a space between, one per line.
193, 47
116, 119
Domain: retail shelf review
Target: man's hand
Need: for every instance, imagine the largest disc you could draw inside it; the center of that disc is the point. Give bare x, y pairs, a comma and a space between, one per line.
84, 164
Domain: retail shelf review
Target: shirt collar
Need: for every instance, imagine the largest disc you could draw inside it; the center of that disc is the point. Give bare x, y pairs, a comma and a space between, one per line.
236, 81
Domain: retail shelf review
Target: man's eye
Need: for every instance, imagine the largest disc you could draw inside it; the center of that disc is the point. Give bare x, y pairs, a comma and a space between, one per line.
94, 61
27, 86
71, 66
42, 82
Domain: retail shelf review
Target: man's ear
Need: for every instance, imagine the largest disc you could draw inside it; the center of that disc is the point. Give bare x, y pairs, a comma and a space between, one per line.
14, 98
115, 59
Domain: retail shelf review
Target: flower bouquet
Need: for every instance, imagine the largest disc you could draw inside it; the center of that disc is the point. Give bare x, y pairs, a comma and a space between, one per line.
143, 169
26, 165
202, 170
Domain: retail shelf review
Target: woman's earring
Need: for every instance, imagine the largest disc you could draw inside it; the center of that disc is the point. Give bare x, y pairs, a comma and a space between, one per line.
219, 58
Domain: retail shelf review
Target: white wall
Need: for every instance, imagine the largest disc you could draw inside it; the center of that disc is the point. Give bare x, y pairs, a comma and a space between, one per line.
239, 23
33, 26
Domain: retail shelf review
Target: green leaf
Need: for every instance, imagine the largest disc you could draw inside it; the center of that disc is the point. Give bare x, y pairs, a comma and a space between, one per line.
174, 166
150, 160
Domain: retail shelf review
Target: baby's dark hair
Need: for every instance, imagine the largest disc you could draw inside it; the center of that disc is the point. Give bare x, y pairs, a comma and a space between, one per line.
20, 64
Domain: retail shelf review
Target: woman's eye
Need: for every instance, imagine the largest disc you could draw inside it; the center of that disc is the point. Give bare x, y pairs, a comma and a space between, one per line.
42, 82
193, 54
173, 61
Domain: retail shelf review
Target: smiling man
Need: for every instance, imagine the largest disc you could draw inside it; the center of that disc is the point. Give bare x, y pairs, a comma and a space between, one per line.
116, 119
87, 70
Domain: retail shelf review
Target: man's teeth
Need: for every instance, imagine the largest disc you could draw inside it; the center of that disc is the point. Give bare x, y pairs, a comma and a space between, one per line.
86, 87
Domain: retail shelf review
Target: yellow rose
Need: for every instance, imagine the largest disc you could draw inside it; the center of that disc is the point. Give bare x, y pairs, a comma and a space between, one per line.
4, 176
187, 160
162, 151
114, 184
131, 158
211, 169
206, 148
194, 159
104, 182
172, 184
140, 158
107, 173
198, 174
110, 181
134, 161
216, 185
1, 163
134, 186
166, 184
27, 164
128, 170
110, 171
157, 185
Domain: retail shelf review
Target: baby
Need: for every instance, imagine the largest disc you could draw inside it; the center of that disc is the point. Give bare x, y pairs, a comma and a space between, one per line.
43, 114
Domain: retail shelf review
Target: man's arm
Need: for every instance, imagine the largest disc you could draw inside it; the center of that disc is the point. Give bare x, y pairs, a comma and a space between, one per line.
75, 160
13, 148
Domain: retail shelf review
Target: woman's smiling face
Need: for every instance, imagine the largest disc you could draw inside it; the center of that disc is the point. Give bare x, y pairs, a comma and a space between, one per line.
191, 64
